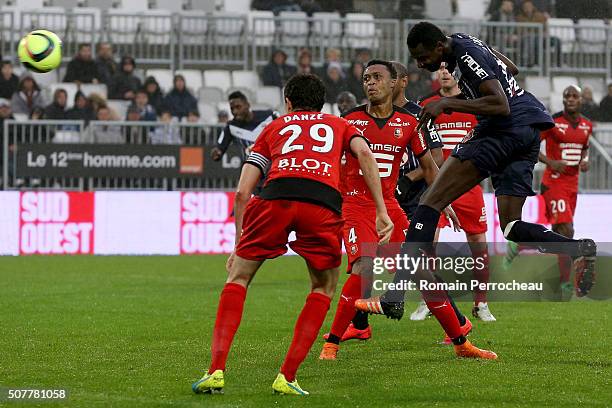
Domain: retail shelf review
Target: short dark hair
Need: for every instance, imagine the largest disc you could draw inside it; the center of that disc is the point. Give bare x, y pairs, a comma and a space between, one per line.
83, 45
386, 63
425, 33
402, 70
237, 95
305, 92
6, 62
194, 112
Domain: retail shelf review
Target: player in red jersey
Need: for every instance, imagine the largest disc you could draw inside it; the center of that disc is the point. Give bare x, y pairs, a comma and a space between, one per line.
470, 208
303, 150
567, 147
389, 130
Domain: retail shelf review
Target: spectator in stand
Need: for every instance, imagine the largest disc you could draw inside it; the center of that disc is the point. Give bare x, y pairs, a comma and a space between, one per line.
81, 109
168, 131
82, 69
590, 108
9, 82
56, 110
277, 71
305, 62
37, 113
222, 117
346, 101
334, 82
154, 93
331, 55
193, 135
96, 101
27, 96
530, 42
310, 6
363, 55
106, 67
141, 103
193, 117
504, 13
5, 114
125, 84
503, 38
354, 81
418, 85
605, 106
179, 100
106, 133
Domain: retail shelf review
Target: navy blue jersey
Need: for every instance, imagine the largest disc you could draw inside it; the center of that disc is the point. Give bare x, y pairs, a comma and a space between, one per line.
245, 133
431, 139
473, 62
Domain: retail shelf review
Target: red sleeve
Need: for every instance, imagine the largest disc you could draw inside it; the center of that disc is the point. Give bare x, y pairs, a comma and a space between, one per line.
350, 132
418, 144
547, 133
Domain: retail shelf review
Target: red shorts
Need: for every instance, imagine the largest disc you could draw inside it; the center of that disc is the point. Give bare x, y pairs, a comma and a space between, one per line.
360, 236
560, 205
470, 210
267, 224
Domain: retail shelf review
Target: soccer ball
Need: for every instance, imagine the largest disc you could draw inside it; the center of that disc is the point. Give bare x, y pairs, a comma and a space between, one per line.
40, 51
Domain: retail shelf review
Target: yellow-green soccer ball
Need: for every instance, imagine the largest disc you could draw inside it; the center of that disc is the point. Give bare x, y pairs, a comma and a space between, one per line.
40, 51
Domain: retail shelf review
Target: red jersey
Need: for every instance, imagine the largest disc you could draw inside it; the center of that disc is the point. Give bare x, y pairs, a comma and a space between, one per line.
388, 139
452, 128
303, 152
566, 141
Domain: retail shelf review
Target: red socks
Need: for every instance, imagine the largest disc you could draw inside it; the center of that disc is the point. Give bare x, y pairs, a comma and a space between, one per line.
229, 314
305, 333
351, 291
441, 308
481, 275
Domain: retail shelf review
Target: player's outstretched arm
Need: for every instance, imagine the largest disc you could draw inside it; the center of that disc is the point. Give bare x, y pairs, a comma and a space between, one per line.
249, 177
369, 168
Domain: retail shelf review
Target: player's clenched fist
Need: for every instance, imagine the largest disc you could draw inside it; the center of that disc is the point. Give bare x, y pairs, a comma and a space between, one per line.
384, 227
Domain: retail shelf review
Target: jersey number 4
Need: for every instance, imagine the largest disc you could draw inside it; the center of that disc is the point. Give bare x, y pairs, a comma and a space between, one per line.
327, 138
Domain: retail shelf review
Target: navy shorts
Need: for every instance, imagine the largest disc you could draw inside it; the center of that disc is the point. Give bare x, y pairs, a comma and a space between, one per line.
411, 202
506, 155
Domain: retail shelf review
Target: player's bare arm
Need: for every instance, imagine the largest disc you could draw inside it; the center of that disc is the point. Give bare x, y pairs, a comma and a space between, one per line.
584, 160
371, 176
557, 165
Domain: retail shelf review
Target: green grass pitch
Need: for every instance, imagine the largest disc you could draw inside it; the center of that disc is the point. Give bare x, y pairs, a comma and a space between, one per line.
135, 332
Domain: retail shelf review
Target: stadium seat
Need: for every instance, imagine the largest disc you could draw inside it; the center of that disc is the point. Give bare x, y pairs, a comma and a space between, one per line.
471, 9
360, 31
99, 89
270, 95
327, 26
245, 79
556, 102
70, 88
21, 117
212, 95
563, 29
52, 18
193, 28
164, 78
44, 80
539, 86
122, 26
101, 4
561, 82
228, 28
203, 5
236, 6
438, 9
83, 20
262, 26
294, 28
208, 113
592, 35
11, 23
193, 79
29, 4
133, 6
157, 26
174, 6
67, 4
218, 78
119, 107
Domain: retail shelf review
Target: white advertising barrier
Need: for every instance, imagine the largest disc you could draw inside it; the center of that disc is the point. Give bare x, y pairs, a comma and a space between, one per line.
173, 223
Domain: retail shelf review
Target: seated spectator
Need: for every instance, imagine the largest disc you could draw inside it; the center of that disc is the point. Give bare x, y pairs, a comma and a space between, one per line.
134, 133
6, 114
106, 67
179, 100
96, 101
346, 101
156, 98
331, 55
81, 109
363, 55
106, 133
530, 43
56, 110
125, 84
354, 82
605, 106
193, 135
418, 86
8, 80
334, 82
37, 113
141, 103
82, 68
502, 11
277, 71
27, 97
590, 108
503, 37
193, 117
168, 132
222, 117
305, 62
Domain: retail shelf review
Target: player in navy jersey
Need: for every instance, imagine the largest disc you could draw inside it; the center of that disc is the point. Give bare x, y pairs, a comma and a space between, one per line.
504, 146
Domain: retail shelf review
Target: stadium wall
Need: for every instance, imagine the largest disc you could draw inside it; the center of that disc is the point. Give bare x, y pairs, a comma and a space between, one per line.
177, 223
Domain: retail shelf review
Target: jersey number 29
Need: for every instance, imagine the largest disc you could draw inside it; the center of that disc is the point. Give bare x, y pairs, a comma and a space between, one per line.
327, 138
